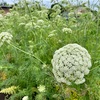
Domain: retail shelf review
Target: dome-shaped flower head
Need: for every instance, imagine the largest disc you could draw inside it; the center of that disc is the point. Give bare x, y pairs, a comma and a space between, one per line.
70, 64
5, 37
25, 98
41, 88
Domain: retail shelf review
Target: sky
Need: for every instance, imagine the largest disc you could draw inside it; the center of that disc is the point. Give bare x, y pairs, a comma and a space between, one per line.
47, 2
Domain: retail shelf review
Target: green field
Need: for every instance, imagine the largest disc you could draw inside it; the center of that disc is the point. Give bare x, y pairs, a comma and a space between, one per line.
29, 36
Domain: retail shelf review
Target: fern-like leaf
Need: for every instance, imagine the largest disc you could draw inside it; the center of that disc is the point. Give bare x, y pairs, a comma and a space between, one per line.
10, 90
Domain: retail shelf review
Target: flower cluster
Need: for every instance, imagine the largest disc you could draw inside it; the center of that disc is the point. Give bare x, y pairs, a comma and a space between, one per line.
52, 33
5, 37
40, 22
67, 30
25, 98
29, 26
41, 88
71, 63
1, 16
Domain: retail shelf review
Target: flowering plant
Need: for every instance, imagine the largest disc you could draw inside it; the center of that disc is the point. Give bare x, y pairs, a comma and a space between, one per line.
25, 98
67, 30
41, 88
71, 63
5, 37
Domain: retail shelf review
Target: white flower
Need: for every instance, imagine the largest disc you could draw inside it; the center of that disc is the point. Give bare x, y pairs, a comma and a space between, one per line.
21, 24
29, 25
86, 71
79, 13
43, 13
51, 35
40, 22
8, 14
80, 81
53, 31
5, 37
71, 63
58, 16
25, 98
41, 88
71, 14
67, 30
1, 17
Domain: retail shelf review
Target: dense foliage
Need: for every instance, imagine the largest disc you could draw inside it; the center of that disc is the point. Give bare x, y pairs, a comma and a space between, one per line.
25, 59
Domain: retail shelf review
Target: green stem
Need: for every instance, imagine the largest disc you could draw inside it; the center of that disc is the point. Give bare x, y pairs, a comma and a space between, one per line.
62, 91
94, 68
27, 53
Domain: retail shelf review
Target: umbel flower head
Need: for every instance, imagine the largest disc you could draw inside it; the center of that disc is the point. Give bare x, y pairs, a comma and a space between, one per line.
70, 64
41, 88
5, 37
67, 30
25, 98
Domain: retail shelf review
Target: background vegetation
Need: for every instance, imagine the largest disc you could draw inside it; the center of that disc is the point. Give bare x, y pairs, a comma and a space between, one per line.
37, 32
